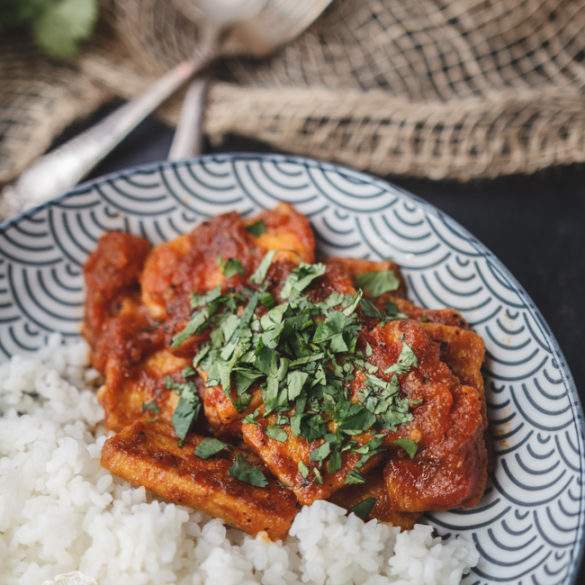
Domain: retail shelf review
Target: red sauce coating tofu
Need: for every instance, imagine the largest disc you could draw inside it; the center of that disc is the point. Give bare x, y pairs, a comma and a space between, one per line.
140, 298
148, 454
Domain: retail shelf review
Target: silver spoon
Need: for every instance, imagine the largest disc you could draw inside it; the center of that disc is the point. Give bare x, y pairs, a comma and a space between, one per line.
276, 23
219, 14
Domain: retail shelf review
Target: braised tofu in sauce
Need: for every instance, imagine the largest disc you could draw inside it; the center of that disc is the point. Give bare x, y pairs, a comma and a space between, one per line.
320, 376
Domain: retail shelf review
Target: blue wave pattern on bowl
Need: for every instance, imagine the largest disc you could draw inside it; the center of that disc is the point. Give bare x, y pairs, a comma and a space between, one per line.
529, 525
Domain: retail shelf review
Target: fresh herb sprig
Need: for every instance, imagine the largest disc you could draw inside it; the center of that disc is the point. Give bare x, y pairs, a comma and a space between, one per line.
57, 26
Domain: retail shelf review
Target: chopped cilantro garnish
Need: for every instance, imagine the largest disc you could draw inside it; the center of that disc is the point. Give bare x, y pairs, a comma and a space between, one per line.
303, 469
183, 416
318, 476
276, 432
410, 446
391, 311
335, 462
262, 270
300, 278
187, 408
210, 447
354, 477
250, 419
370, 310
295, 380
301, 355
151, 406
406, 360
378, 282
363, 509
187, 372
321, 452
246, 472
369, 449
257, 228
230, 267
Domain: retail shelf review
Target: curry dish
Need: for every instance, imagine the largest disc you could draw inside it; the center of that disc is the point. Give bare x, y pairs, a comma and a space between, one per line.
245, 378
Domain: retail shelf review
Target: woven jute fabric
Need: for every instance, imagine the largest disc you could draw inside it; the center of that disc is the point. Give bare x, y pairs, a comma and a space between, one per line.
430, 88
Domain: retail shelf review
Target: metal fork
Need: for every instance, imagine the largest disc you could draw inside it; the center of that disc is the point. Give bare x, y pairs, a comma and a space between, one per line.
275, 23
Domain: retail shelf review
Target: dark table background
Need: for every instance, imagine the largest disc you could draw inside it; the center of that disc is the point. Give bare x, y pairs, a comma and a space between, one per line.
534, 224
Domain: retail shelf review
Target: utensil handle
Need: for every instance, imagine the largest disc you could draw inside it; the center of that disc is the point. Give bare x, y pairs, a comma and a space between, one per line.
62, 168
188, 138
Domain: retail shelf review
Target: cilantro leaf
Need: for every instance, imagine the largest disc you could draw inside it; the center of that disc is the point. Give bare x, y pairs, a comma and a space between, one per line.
247, 473
378, 282
354, 477
363, 509
183, 416
333, 325
357, 420
409, 445
303, 469
230, 267
321, 453
406, 360
353, 304
371, 448
277, 433
188, 407
295, 381
209, 447
151, 406
318, 476
335, 462
262, 270
250, 419
257, 228
300, 278
199, 319
61, 25
391, 311
369, 309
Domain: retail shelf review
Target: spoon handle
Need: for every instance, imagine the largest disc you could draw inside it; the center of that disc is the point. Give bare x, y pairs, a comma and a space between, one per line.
64, 167
188, 138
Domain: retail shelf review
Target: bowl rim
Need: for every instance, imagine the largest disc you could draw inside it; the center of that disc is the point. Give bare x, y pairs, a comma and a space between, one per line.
428, 208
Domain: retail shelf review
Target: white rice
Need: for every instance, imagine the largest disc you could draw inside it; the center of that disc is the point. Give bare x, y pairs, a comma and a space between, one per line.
60, 512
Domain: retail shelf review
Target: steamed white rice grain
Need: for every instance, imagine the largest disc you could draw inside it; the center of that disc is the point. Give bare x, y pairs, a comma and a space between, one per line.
64, 520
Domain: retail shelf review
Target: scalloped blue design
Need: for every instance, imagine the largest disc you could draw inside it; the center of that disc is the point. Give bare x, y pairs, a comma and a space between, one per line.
529, 526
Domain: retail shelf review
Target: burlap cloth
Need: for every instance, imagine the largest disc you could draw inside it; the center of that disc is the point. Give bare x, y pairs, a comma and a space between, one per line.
435, 88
